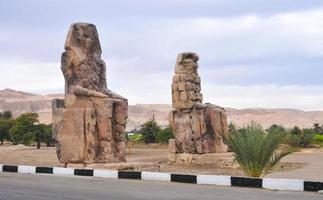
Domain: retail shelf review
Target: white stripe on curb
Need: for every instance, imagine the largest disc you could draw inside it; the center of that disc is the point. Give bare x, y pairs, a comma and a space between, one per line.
63, 171
283, 184
26, 169
214, 180
105, 173
155, 176
1, 167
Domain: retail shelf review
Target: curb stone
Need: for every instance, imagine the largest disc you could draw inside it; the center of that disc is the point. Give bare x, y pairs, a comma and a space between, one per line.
265, 183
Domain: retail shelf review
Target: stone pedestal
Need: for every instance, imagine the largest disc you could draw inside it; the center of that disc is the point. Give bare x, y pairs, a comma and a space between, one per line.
132, 166
221, 160
87, 130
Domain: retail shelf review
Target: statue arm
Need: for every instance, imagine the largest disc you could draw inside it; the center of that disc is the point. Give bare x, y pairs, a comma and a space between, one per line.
81, 91
113, 95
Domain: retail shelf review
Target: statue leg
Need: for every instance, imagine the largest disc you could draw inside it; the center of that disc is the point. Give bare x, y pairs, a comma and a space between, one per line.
120, 117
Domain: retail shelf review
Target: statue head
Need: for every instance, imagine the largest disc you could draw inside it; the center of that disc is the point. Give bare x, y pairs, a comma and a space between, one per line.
83, 40
187, 63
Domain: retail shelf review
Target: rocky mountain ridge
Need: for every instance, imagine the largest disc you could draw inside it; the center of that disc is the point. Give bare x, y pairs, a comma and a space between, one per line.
19, 102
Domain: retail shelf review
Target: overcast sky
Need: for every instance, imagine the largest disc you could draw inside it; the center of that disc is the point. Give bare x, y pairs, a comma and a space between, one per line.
253, 53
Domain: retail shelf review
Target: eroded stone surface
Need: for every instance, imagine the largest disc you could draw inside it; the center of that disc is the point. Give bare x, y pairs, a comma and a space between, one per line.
89, 126
198, 128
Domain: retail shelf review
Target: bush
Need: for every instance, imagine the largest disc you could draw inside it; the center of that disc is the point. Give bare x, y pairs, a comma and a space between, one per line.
296, 131
318, 138
305, 139
255, 151
27, 130
44, 134
164, 135
5, 115
5, 126
23, 131
149, 131
137, 138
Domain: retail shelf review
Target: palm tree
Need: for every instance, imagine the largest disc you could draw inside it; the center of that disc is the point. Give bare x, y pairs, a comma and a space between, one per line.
317, 128
255, 150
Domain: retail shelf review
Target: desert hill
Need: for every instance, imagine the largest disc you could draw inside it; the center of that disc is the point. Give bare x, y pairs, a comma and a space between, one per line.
19, 102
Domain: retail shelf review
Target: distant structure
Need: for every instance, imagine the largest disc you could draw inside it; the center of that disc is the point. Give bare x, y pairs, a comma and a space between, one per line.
198, 128
89, 126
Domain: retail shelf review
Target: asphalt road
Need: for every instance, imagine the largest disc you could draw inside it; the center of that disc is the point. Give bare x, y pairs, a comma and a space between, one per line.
45, 187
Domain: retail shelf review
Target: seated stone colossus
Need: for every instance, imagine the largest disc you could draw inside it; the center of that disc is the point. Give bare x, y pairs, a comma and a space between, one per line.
198, 128
89, 126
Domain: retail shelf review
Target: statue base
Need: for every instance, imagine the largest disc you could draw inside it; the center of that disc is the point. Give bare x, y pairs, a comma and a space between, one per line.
222, 160
133, 166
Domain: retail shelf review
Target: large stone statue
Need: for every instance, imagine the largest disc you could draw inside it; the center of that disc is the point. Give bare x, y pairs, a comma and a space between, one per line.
198, 128
89, 126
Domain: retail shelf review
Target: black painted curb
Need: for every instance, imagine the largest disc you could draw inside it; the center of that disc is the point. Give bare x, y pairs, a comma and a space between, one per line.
313, 186
181, 178
83, 172
246, 182
129, 175
44, 170
10, 168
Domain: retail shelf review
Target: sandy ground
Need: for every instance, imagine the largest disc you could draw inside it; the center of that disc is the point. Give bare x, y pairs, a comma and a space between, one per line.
312, 168
306, 164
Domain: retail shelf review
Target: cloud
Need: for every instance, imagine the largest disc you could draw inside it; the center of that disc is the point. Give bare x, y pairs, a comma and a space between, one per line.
248, 60
32, 76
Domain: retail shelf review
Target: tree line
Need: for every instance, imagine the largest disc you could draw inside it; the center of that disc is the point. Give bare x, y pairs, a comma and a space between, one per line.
25, 129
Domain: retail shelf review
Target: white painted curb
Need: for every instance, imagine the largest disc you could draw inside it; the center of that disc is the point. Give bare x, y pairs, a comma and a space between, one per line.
26, 169
155, 176
283, 184
63, 171
214, 180
1, 167
105, 173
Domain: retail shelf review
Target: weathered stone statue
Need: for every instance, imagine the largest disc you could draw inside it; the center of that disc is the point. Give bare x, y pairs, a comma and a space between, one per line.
198, 128
89, 126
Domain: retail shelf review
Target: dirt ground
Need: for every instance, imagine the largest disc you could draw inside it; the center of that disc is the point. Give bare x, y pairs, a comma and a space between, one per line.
306, 164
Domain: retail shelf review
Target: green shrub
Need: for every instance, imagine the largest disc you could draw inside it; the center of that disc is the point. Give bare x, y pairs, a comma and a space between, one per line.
23, 131
318, 138
296, 131
164, 135
5, 126
255, 151
137, 138
149, 130
305, 139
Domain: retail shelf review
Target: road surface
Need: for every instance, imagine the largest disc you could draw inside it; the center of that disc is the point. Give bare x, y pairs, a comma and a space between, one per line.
49, 187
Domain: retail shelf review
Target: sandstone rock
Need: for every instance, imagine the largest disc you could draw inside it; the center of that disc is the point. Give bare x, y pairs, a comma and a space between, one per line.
198, 128
136, 166
89, 126
172, 158
220, 160
171, 146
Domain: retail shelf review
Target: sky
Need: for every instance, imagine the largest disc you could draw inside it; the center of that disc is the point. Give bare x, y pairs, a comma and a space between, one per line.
253, 54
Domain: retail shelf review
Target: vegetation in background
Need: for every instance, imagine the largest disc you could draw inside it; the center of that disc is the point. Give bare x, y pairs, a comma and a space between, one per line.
318, 138
318, 129
255, 150
164, 135
5, 115
6, 122
136, 138
23, 130
26, 129
149, 131
43, 133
